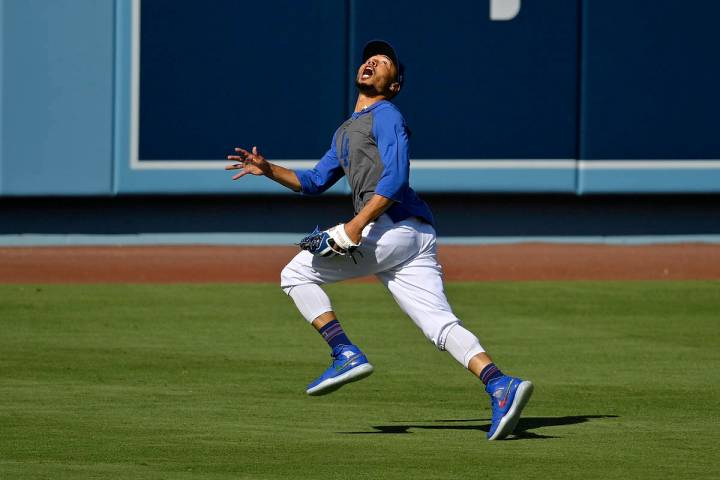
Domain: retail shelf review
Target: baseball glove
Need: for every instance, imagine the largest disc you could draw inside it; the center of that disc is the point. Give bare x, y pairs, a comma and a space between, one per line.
329, 243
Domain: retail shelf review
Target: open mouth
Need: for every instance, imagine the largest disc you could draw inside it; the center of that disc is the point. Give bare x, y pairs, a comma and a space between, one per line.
367, 73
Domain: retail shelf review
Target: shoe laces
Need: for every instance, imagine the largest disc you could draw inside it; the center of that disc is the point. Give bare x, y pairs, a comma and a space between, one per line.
337, 351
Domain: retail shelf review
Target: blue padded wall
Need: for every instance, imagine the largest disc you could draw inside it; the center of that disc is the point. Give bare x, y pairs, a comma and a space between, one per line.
650, 94
57, 97
571, 96
220, 72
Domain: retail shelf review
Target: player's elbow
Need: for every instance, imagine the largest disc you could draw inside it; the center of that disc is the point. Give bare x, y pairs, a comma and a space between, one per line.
309, 182
395, 191
309, 187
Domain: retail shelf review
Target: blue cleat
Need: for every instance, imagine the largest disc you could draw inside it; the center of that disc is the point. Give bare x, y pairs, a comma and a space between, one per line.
508, 397
349, 365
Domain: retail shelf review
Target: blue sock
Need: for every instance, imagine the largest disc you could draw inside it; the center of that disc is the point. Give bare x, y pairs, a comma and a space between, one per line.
490, 372
334, 334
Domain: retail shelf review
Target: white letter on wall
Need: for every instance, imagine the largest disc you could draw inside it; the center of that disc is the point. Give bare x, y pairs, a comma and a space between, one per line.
502, 10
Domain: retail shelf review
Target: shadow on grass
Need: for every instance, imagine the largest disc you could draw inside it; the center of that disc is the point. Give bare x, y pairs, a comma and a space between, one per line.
522, 431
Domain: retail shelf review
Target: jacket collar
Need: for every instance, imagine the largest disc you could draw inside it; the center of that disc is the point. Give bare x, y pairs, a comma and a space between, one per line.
369, 109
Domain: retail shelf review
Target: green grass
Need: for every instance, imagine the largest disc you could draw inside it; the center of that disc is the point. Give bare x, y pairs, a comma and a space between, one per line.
207, 381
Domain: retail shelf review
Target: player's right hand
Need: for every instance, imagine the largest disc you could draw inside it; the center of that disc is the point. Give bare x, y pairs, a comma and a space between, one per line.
252, 163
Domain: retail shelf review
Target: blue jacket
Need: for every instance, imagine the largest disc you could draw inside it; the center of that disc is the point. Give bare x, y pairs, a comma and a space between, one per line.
371, 149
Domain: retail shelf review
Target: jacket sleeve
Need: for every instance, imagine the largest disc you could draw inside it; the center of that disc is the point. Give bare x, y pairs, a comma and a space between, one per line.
323, 176
392, 140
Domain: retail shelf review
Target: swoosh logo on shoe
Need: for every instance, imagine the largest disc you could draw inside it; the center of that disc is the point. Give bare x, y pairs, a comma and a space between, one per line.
502, 402
349, 361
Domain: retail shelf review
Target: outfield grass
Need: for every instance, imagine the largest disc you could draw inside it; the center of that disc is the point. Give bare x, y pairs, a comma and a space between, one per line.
207, 381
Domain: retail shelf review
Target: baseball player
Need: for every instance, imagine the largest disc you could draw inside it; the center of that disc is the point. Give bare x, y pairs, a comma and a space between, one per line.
391, 236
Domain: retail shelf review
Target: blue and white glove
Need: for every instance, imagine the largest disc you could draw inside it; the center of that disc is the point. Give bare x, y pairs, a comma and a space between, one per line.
330, 242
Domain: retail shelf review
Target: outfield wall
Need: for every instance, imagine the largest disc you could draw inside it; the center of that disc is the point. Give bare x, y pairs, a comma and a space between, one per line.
556, 96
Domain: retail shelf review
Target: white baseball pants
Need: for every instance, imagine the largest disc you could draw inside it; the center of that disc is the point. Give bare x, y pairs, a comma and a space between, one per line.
403, 256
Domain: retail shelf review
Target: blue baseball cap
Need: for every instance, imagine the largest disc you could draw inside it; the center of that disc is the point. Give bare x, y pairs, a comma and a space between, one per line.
381, 47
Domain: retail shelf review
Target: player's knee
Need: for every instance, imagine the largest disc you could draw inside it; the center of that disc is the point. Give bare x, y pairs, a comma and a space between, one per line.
291, 277
436, 328
287, 279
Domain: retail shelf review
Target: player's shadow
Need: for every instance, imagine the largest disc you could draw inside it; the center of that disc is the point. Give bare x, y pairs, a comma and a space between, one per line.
522, 431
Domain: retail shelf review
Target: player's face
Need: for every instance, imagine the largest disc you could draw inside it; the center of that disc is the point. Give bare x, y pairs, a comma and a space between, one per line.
377, 76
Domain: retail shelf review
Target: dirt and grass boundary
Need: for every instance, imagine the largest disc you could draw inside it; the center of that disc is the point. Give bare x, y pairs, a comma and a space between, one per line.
531, 261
